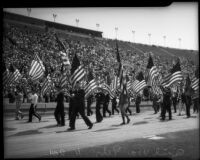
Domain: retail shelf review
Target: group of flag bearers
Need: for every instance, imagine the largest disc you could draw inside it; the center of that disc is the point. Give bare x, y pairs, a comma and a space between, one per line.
160, 88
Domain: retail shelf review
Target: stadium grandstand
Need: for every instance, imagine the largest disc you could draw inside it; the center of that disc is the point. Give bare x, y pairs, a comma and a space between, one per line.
25, 36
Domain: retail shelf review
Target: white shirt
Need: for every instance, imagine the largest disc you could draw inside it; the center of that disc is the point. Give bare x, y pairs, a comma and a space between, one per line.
34, 99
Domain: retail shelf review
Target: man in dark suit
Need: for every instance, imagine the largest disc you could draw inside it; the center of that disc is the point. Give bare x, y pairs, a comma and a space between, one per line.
78, 107
89, 102
105, 105
195, 99
59, 111
155, 104
188, 96
137, 103
99, 101
114, 105
70, 105
174, 100
166, 102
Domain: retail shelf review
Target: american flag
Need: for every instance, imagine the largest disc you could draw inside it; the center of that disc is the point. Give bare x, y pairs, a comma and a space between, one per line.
120, 70
195, 80
108, 89
11, 76
5, 73
63, 51
63, 77
121, 76
92, 84
46, 86
139, 83
115, 83
195, 83
65, 58
66, 92
37, 68
129, 85
77, 71
174, 77
153, 77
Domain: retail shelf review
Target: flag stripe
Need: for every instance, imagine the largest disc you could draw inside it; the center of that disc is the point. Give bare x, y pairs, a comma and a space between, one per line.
37, 68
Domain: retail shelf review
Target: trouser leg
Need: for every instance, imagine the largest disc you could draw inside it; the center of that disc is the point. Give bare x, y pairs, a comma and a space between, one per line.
62, 117
113, 108
116, 109
88, 109
107, 110
98, 113
188, 103
128, 110
85, 118
36, 114
70, 111
56, 115
31, 110
73, 118
169, 111
104, 110
163, 111
154, 108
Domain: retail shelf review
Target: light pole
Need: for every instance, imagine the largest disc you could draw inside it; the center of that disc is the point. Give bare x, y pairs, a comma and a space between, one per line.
54, 17
164, 37
29, 11
77, 21
133, 36
149, 38
116, 29
179, 42
97, 25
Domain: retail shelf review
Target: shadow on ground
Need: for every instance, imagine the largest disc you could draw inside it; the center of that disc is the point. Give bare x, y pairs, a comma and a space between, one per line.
141, 122
105, 129
25, 133
49, 126
9, 129
76, 130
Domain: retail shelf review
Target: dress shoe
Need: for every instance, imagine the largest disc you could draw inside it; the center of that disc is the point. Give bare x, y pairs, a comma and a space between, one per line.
90, 127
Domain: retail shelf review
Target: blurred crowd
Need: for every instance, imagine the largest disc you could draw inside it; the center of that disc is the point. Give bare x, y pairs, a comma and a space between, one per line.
20, 43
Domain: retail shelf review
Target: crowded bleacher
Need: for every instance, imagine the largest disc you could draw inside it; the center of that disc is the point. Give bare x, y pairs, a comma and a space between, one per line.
21, 41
